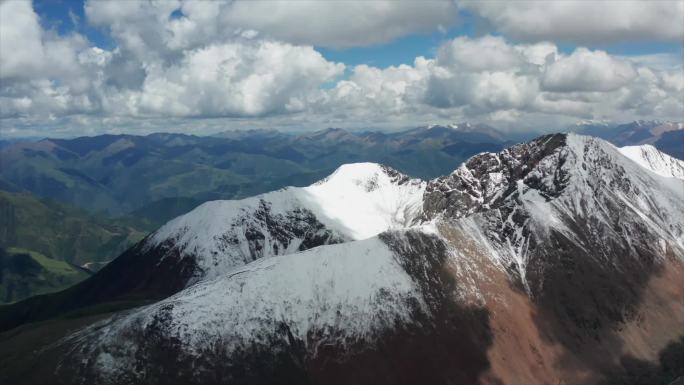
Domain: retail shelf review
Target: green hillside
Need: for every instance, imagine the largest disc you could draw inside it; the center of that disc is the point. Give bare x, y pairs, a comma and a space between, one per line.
146, 175
61, 232
25, 273
45, 243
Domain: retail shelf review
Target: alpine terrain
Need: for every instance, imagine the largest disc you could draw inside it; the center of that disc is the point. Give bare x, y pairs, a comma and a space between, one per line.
556, 261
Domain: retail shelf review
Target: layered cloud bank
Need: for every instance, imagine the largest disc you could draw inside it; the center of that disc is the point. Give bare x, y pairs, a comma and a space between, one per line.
255, 63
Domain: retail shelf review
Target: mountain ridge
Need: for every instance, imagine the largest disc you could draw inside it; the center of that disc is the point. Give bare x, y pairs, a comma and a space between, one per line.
653, 160
562, 241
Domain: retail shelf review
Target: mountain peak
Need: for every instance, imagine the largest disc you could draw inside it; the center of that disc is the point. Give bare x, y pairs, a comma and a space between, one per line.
546, 165
368, 174
357, 201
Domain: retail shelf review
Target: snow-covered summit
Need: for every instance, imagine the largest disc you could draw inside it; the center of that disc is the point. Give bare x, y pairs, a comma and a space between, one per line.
364, 199
547, 165
355, 202
656, 161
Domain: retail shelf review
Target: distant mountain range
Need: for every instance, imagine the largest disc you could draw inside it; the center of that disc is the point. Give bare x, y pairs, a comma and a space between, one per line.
119, 174
667, 137
558, 260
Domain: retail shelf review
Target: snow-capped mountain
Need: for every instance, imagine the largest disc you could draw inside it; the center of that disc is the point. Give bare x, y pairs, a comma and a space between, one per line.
653, 160
564, 196
356, 202
543, 263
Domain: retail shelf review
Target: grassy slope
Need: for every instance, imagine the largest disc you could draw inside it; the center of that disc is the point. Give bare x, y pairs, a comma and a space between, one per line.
24, 273
63, 233
46, 242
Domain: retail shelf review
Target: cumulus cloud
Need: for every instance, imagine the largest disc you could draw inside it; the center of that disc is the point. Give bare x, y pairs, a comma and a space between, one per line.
41, 72
489, 78
335, 23
28, 52
176, 59
20, 40
488, 53
393, 90
341, 23
150, 73
582, 21
236, 79
587, 70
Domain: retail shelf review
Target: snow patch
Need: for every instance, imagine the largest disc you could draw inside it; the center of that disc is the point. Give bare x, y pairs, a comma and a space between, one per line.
655, 161
341, 292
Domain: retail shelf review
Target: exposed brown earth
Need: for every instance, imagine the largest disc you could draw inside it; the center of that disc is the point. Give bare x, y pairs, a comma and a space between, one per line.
525, 349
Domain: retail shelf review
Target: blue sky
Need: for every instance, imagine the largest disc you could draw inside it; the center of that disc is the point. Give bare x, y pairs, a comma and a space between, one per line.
66, 16
84, 67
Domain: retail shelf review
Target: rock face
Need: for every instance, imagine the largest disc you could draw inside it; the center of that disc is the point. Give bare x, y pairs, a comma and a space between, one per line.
486, 180
555, 261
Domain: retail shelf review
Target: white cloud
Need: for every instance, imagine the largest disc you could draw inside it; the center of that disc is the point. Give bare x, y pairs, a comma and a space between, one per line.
488, 78
43, 73
141, 28
659, 61
21, 44
28, 52
236, 79
334, 23
147, 74
587, 70
487, 53
584, 22
396, 89
340, 23
204, 64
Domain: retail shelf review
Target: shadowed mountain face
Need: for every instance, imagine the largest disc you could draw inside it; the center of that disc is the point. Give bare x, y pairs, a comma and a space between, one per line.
559, 260
122, 173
